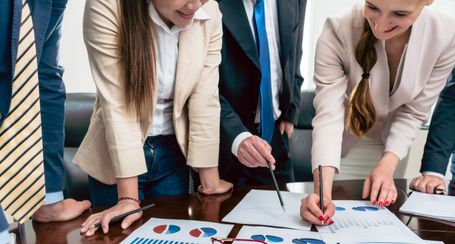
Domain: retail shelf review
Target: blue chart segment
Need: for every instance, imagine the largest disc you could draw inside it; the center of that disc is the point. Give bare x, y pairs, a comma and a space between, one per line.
340, 209
365, 208
166, 229
203, 232
268, 238
307, 241
143, 240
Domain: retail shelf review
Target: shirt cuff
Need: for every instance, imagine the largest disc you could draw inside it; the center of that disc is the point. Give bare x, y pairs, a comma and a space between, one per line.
236, 143
53, 197
425, 173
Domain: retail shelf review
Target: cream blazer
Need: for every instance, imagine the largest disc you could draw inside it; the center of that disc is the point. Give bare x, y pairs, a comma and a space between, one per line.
425, 67
113, 145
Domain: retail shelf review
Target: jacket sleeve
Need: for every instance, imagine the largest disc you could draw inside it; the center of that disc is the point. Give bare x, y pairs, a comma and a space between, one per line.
204, 106
122, 128
331, 84
441, 136
292, 114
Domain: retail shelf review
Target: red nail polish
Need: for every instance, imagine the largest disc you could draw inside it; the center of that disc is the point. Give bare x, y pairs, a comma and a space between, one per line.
380, 204
326, 218
374, 202
331, 222
386, 203
392, 202
321, 218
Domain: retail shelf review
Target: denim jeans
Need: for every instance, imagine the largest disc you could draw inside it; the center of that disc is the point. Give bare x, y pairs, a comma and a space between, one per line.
167, 173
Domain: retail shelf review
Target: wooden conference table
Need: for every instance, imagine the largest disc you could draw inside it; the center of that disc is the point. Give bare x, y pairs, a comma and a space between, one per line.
214, 208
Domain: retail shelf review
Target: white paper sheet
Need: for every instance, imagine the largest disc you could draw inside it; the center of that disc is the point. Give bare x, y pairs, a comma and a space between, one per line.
360, 222
261, 207
277, 235
177, 231
424, 204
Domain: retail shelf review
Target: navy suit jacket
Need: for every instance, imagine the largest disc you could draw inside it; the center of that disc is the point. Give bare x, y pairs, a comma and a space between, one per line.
441, 137
47, 18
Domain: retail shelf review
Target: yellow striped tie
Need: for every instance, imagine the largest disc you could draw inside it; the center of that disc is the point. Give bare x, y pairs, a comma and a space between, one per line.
22, 189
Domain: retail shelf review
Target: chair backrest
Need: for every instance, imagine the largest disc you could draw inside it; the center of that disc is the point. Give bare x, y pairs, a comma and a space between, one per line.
79, 107
301, 141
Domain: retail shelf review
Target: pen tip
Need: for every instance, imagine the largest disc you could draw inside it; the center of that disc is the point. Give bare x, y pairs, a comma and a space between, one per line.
283, 208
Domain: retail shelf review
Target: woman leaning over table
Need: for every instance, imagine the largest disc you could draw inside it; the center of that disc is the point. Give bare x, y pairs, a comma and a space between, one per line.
155, 65
378, 71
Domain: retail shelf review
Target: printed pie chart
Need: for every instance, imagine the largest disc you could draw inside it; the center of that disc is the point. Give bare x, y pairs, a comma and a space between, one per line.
166, 229
203, 232
365, 209
340, 209
307, 241
268, 238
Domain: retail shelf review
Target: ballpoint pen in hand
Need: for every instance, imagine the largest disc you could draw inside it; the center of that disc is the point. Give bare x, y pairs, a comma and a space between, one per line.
123, 215
321, 192
276, 186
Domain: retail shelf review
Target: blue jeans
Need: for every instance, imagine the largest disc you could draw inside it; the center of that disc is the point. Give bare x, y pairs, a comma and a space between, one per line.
167, 174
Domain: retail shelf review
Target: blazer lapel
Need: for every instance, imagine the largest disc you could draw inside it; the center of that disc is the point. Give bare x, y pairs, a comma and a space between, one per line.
409, 79
186, 41
286, 21
235, 20
16, 25
41, 15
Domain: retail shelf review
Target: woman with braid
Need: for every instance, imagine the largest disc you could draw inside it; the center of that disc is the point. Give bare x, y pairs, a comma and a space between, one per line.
378, 71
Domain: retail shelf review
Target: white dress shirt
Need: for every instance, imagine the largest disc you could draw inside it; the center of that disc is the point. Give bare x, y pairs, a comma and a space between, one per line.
166, 46
276, 72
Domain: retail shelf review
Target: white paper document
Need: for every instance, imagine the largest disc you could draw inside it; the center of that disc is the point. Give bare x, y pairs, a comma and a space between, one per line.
177, 231
361, 222
261, 207
278, 235
430, 205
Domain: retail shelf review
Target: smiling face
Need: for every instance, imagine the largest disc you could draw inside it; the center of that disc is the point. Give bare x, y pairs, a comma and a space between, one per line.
391, 18
177, 12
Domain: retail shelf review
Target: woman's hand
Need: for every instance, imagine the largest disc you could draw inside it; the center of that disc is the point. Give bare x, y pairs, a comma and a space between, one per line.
310, 211
88, 227
211, 182
380, 185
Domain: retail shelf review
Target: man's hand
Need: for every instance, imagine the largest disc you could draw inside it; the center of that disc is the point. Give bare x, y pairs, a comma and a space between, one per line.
287, 127
427, 184
255, 152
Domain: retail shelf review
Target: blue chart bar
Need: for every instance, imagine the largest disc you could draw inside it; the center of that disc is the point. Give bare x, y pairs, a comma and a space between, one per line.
142, 240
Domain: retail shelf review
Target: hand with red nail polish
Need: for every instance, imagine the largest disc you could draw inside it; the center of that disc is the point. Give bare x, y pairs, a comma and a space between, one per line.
310, 211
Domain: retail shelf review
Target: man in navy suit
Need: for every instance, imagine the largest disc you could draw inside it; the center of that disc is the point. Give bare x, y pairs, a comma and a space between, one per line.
244, 150
47, 18
440, 143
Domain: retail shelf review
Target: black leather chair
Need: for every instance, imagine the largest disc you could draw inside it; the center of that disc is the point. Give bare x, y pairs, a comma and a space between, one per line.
301, 140
79, 107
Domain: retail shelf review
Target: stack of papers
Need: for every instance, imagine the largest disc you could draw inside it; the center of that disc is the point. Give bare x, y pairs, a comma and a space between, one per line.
430, 205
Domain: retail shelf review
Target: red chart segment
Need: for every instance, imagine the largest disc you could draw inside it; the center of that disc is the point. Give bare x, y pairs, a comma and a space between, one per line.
166, 229
203, 232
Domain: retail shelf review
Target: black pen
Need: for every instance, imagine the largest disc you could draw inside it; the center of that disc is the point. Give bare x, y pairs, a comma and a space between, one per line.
321, 193
276, 186
123, 215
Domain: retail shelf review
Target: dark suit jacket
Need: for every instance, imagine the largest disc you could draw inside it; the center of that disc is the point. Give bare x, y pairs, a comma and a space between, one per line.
47, 17
441, 137
240, 73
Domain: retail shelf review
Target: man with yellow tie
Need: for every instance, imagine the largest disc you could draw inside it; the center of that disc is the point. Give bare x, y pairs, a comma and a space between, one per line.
32, 97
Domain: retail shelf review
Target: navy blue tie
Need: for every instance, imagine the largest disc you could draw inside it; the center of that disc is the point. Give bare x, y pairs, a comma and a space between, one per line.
267, 123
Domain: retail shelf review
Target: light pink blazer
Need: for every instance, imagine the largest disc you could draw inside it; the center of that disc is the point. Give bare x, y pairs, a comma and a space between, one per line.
429, 59
113, 146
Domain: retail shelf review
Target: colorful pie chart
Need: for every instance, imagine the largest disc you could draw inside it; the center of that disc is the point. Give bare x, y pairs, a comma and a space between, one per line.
307, 241
203, 232
340, 209
166, 229
268, 238
365, 208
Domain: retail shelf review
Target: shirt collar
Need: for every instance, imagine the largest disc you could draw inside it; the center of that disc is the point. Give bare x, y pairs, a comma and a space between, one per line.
199, 15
